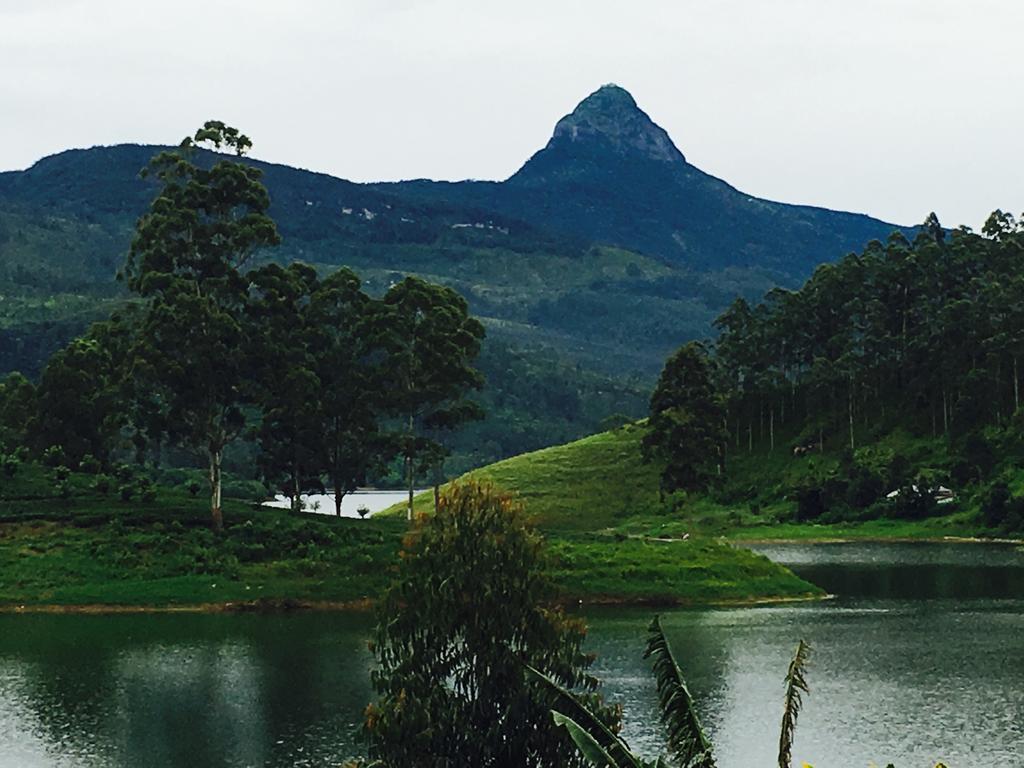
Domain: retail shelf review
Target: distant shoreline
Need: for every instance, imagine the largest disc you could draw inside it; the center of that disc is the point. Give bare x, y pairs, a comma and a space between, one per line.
366, 605
878, 540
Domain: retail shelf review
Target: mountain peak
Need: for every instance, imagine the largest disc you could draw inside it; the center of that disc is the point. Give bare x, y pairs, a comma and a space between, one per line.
611, 113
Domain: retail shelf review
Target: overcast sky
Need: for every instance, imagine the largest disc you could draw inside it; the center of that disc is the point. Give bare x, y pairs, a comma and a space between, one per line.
888, 107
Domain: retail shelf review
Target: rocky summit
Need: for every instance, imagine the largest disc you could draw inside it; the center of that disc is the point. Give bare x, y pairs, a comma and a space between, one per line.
610, 116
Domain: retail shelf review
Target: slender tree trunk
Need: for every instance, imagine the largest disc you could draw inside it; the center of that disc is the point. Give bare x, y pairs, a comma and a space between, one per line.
849, 413
408, 477
1016, 386
750, 437
945, 413
724, 447
771, 428
296, 492
408, 469
437, 496
217, 517
999, 394
336, 442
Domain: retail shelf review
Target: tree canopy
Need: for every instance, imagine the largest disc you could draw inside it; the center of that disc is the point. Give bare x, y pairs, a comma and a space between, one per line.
204, 226
685, 433
469, 609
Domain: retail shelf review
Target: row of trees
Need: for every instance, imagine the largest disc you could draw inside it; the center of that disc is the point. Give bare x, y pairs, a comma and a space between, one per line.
927, 334
329, 382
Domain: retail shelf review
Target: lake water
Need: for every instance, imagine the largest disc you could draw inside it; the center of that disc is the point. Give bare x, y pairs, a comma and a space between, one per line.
372, 501
913, 662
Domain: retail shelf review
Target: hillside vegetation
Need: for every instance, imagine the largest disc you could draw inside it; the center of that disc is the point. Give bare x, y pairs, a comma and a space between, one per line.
598, 258
600, 484
77, 542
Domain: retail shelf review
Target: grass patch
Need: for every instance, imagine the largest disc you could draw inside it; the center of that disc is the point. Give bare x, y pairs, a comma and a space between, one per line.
617, 568
599, 483
94, 549
586, 485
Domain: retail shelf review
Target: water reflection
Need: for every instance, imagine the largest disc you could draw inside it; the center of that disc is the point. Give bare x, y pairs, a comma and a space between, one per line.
911, 663
906, 681
920, 570
181, 690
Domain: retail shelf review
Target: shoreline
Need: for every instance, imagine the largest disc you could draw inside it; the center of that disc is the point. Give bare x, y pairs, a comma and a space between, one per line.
365, 605
876, 540
284, 605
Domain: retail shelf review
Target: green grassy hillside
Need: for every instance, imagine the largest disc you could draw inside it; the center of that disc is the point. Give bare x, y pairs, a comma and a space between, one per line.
599, 483
68, 544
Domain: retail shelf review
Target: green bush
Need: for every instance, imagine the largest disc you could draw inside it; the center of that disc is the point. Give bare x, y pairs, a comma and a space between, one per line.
468, 611
54, 456
810, 503
10, 465
1002, 511
914, 502
124, 473
89, 464
994, 505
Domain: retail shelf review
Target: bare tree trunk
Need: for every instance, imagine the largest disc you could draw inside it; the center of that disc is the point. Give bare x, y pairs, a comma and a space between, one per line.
750, 437
771, 428
217, 517
296, 492
408, 476
408, 469
1016, 386
999, 394
849, 413
945, 413
723, 449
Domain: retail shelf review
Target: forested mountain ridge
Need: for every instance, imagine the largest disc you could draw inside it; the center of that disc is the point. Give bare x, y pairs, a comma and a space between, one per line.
602, 254
610, 174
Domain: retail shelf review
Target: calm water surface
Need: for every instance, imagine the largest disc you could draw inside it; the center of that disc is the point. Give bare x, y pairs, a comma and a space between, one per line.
912, 662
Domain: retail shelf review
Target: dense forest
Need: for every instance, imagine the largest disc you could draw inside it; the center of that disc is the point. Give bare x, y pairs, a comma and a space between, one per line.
924, 336
329, 384
587, 267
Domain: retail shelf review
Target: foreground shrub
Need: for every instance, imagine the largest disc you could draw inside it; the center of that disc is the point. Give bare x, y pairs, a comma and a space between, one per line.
469, 611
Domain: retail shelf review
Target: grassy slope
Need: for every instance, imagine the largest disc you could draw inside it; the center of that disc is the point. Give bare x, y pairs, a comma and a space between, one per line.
599, 483
94, 549
609, 535
99, 549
